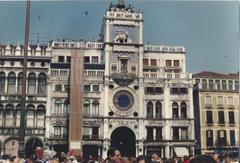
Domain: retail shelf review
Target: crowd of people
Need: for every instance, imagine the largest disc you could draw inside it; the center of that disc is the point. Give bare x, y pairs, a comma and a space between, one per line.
114, 156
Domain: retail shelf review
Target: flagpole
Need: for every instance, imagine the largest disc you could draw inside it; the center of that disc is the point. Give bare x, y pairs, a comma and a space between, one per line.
22, 130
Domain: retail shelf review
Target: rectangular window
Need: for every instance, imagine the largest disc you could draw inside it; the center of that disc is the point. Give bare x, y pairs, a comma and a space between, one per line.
221, 119
86, 59
96, 88
168, 63
208, 100
153, 62
175, 133
230, 84
133, 69
66, 88
158, 90
204, 83
149, 90
184, 133
58, 87
149, 133
60, 58
222, 140
86, 131
176, 63
236, 84
183, 91
145, 62
68, 59
114, 67
211, 85
209, 137
218, 84
158, 133
174, 90
87, 88
220, 100
65, 132
95, 133
95, 59
231, 117
209, 117
232, 138
224, 84
57, 132
197, 81
230, 100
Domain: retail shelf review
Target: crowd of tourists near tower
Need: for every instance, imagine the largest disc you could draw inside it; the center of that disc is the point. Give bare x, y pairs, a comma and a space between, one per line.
114, 156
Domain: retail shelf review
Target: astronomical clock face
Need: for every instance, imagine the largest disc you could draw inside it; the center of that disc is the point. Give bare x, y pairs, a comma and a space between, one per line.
124, 101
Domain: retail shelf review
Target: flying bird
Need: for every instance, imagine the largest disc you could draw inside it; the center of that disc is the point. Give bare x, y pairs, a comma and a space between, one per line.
86, 13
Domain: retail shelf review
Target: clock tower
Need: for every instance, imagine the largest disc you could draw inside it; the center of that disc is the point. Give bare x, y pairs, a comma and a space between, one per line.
123, 53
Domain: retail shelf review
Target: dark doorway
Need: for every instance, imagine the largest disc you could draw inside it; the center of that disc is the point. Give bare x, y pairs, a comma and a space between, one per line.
60, 148
31, 145
124, 139
90, 150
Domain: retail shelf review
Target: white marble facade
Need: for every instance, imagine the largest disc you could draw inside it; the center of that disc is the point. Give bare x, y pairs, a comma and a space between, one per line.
141, 92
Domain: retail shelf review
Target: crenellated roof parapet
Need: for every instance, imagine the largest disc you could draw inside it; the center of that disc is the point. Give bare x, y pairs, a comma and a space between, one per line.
164, 49
78, 45
123, 14
18, 50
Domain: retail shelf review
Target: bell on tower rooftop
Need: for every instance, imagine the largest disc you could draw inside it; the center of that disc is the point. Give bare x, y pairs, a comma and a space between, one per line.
121, 4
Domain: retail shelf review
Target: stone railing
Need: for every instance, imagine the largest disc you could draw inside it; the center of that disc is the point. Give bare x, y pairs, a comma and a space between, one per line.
72, 44
164, 49
18, 50
167, 75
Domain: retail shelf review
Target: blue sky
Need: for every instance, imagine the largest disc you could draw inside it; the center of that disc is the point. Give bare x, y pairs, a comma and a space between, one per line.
208, 30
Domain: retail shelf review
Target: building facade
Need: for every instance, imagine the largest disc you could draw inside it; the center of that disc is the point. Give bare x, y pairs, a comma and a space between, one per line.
216, 103
37, 103
136, 97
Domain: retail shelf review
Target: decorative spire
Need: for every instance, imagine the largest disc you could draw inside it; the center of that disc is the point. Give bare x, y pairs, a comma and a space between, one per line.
121, 4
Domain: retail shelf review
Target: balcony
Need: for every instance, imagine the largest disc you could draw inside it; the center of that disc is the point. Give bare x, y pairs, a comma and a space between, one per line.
210, 123
175, 69
220, 106
230, 106
208, 106
221, 123
91, 137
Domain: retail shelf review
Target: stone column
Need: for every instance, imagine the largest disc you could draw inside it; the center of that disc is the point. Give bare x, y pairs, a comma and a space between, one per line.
167, 151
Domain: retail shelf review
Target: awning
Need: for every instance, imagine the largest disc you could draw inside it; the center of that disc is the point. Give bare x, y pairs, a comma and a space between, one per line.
181, 151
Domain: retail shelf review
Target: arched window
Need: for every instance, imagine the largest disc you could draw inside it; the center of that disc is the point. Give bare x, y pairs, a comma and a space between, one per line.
30, 115
31, 83
18, 114
175, 110
2, 82
40, 115
42, 83
1, 115
183, 110
20, 82
149, 110
12, 83
95, 108
158, 108
86, 107
9, 115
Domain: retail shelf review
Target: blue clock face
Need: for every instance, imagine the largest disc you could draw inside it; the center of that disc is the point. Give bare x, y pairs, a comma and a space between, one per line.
123, 100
